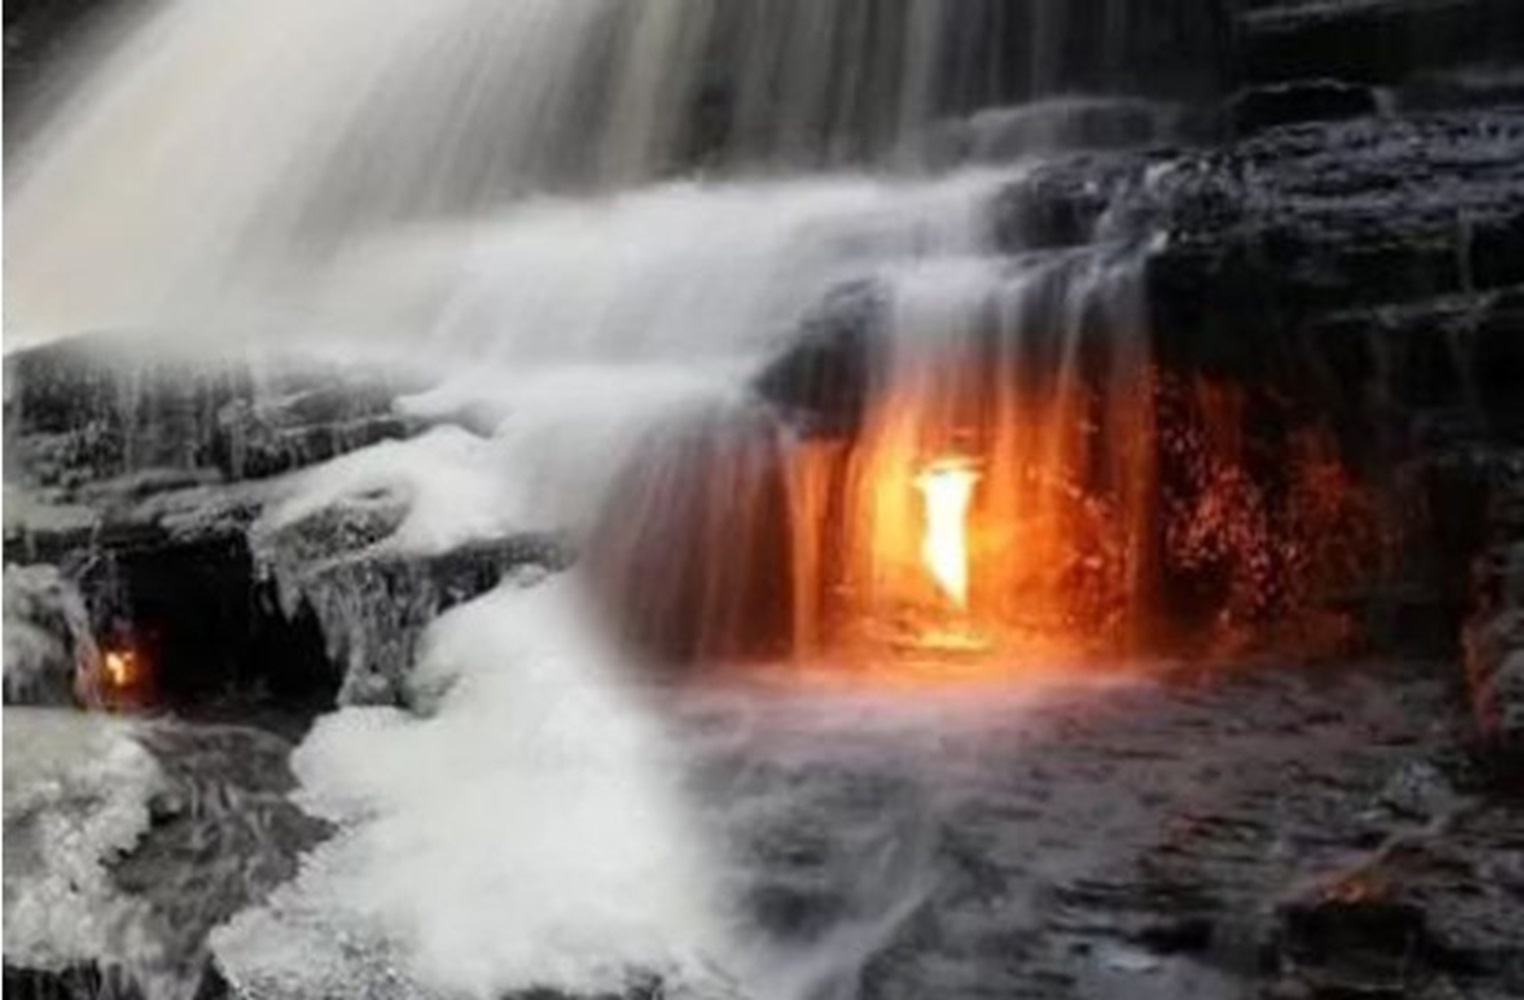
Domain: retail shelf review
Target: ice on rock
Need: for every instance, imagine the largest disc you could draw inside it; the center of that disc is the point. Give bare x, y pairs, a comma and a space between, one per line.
49, 645
446, 478
77, 788
532, 832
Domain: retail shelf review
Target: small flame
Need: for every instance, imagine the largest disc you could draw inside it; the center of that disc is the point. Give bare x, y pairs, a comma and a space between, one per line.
948, 489
121, 667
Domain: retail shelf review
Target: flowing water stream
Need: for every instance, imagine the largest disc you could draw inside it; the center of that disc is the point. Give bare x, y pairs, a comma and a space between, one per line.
591, 224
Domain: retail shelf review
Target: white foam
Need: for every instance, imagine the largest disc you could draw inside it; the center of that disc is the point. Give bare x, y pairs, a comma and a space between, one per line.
532, 832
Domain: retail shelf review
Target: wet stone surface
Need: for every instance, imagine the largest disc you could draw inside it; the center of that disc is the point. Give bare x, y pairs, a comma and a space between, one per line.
224, 835
1285, 832
1494, 636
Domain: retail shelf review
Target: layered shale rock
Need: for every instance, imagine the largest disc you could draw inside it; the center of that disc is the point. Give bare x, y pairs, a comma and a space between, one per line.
141, 481
1368, 274
1494, 637
87, 410
1267, 236
372, 601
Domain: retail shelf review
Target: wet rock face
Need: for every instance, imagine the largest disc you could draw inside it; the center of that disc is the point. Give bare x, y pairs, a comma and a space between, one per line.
1305, 100
141, 481
82, 411
1388, 42
88, 409
1494, 636
1320, 218
49, 645
209, 630
1348, 224
1367, 273
266, 437
1361, 277
370, 605
115, 485
1072, 201
1453, 362
1373, 268
88, 982
821, 382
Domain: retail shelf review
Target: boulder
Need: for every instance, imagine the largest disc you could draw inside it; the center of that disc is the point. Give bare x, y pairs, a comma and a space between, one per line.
822, 380
1071, 201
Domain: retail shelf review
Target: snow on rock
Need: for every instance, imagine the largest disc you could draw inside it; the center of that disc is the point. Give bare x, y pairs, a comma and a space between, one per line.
379, 542
530, 833
446, 478
369, 544
541, 458
77, 788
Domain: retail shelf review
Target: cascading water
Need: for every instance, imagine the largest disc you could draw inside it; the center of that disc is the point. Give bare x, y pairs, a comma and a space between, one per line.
228, 158
1034, 374
594, 225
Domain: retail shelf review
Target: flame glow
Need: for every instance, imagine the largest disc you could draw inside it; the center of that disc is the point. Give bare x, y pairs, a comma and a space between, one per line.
948, 490
121, 667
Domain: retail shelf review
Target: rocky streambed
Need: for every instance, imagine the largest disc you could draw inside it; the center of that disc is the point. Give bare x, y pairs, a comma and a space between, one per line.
1283, 831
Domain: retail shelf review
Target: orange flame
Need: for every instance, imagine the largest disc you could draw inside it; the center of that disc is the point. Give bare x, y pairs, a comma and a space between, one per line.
121, 667
947, 487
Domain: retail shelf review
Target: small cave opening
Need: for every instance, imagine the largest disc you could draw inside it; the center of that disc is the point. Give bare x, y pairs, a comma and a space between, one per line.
193, 628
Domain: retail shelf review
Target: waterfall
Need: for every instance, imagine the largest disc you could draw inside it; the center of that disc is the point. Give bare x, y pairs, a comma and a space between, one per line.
605, 226
209, 173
